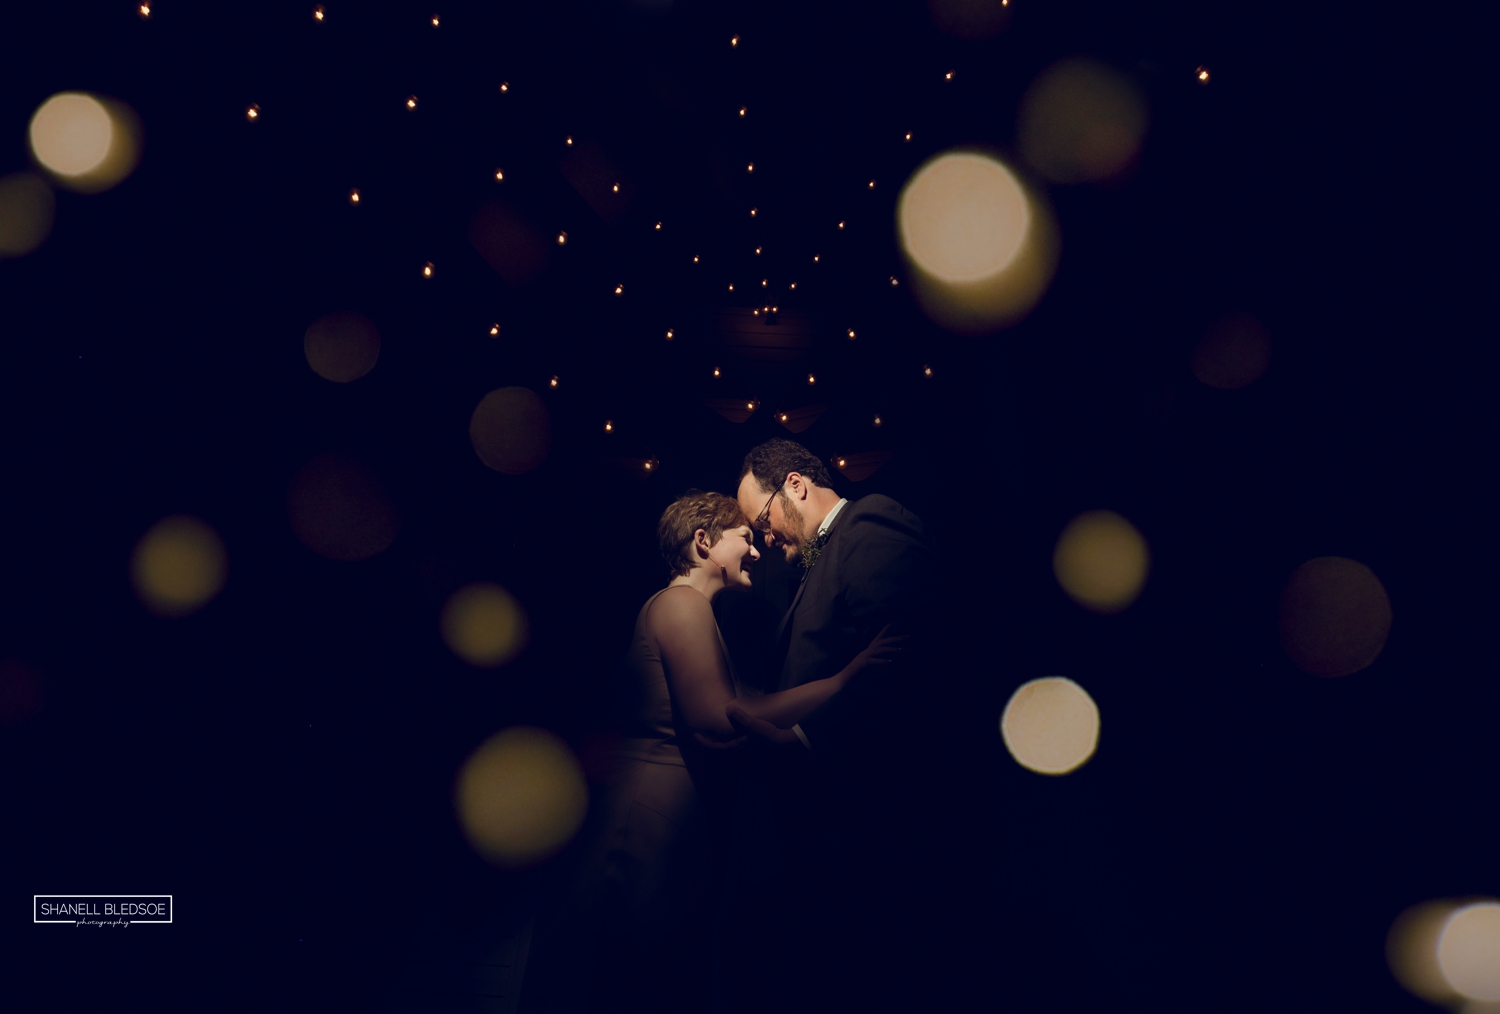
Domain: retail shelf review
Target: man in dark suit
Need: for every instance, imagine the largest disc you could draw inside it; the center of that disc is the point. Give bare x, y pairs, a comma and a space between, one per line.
842, 773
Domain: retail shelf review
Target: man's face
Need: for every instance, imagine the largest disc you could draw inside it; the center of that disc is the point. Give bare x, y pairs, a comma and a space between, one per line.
785, 519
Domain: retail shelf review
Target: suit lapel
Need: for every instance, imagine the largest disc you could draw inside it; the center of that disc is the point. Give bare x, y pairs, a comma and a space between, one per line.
784, 632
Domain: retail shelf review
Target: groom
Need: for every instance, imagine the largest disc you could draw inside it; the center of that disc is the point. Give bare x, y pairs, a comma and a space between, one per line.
841, 779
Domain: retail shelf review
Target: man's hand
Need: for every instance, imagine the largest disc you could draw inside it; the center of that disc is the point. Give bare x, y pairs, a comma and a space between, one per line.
757, 728
709, 743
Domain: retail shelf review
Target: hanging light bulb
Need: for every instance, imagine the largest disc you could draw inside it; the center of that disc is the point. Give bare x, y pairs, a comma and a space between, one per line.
609, 427
783, 417
252, 113
755, 313
773, 309
841, 225
494, 330
552, 383
144, 10
927, 371
872, 184
908, 135
839, 462
616, 188
757, 251
948, 76
811, 379
815, 258
734, 40
499, 176
658, 227
695, 258
716, 371
743, 111
568, 141
562, 239
504, 86
318, 13
411, 102
850, 332
731, 286
894, 283
671, 334
427, 270
750, 167
752, 212
793, 286
1202, 75
764, 282
750, 405
619, 290
354, 197
877, 421
648, 466
434, 21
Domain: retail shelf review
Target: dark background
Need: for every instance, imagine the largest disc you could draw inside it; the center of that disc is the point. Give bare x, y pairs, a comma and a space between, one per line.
282, 760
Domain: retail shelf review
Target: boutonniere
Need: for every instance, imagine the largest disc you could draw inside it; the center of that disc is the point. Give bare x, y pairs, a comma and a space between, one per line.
810, 550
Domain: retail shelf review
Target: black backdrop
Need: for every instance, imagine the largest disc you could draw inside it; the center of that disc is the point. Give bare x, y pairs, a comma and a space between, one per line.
282, 760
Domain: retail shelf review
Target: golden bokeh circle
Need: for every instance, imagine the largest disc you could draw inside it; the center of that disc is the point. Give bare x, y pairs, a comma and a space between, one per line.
27, 207
1468, 951
1081, 120
87, 143
1411, 949
1101, 561
342, 347
511, 430
484, 625
1050, 725
521, 796
1335, 616
178, 565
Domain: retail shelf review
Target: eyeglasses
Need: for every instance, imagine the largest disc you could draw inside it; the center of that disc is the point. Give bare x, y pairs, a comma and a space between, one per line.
762, 522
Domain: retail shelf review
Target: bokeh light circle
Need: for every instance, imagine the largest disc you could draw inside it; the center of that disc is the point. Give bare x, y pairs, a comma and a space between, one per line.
1050, 725
86, 142
511, 430
1335, 616
178, 565
1468, 951
521, 796
339, 510
1081, 120
981, 248
342, 347
1233, 354
1101, 561
27, 208
1411, 949
484, 625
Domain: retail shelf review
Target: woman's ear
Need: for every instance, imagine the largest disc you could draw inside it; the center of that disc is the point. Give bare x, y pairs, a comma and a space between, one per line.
701, 543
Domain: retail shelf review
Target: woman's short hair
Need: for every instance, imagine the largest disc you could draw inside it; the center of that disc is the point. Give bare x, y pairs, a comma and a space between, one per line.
715, 513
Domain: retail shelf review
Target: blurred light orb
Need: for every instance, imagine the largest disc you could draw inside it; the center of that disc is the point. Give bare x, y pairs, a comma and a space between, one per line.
342, 347
521, 796
1101, 561
27, 208
1335, 616
484, 625
178, 565
1411, 949
338, 509
981, 247
1233, 354
1468, 951
1050, 725
511, 430
87, 143
1081, 121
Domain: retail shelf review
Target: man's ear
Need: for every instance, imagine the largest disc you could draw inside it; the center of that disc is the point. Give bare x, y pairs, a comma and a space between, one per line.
799, 485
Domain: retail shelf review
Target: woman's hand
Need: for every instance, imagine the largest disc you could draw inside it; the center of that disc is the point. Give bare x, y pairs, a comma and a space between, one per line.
881, 651
758, 728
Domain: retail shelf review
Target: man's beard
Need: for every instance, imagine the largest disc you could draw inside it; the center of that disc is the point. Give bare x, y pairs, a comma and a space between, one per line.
794, 518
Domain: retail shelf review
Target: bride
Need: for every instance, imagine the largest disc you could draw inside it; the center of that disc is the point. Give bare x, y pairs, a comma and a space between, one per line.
655, 873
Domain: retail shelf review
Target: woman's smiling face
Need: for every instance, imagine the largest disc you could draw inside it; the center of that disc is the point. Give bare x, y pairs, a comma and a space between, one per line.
735, 552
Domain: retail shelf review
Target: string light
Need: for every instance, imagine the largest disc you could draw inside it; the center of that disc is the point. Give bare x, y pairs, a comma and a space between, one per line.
427, 270
872, 184
811, 379
695, 258
253, 113
850, 333
658, 227
562, 239
794, 286
609, 427
948, 76
354, 197
774, 309
750, 167
434, 21
1202, 75
743, 111
716, 371
752, 212
411, 102
815, 258
648, 466
783, 417
764, 282
145, 11
839, 462
731, 286
841, 225
750, 405
619, 290
505, 86
755, 313
757, 251
616, 188
671, 334
494, 330
908, 135
877, 421
568, 141
894, 283
499, 176
552, 383
317, 12
927, 371
734, 40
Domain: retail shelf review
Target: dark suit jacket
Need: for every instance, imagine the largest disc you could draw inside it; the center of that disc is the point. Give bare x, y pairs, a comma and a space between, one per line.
875, 568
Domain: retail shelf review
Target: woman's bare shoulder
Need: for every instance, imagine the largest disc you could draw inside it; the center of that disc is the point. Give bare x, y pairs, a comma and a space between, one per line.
679, 609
